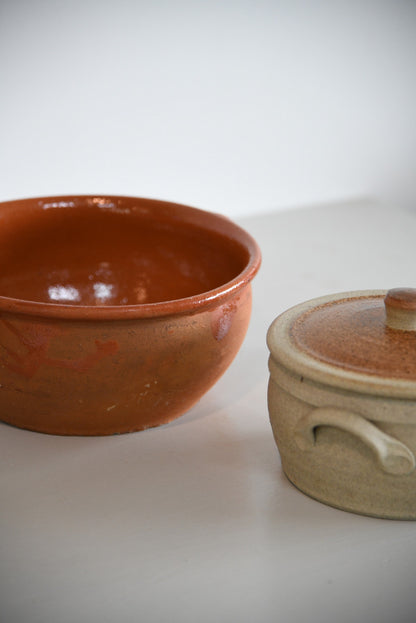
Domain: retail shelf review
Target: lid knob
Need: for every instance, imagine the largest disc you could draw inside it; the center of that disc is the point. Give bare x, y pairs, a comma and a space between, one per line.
400, 304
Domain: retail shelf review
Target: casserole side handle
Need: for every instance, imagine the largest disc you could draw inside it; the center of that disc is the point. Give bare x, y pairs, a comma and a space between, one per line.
393, 456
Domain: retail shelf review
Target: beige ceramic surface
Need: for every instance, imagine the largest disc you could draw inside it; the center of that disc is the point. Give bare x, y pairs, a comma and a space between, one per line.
344, 419
116, 313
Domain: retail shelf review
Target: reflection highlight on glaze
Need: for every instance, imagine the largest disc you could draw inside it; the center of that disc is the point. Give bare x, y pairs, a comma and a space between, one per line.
103, 291
105, 203
58, 204
141, 294
102, 202
63, 293
100, 293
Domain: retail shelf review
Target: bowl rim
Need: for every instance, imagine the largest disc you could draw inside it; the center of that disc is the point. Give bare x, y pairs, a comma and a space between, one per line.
121, 203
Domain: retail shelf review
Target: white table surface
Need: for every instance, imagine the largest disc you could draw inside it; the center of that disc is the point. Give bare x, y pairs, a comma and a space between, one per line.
195, 521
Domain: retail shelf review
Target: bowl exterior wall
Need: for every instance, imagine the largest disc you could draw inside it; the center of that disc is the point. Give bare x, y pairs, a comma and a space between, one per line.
89, 377
338, 468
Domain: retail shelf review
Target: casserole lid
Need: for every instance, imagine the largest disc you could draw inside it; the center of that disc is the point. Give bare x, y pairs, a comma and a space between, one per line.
352, 339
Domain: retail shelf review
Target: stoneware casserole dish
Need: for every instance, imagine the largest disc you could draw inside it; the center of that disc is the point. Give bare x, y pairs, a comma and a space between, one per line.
342, 400
116, 313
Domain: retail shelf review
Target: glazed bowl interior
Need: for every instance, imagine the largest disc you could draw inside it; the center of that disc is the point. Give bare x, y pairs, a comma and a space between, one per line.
115, 251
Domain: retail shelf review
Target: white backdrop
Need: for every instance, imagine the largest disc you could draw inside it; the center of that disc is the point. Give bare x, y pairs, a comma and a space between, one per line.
237, 107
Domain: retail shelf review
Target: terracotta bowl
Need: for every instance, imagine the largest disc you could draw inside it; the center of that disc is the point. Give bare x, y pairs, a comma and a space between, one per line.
116, 313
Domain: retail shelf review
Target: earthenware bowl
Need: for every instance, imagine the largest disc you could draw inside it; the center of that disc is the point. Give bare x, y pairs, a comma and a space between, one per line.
116, 313
342, 400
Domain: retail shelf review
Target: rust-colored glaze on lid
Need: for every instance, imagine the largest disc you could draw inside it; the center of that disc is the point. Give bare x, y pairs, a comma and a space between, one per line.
365, 334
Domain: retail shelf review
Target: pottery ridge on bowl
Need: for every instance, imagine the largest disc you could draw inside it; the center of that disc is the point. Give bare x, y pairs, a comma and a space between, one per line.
101, 369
